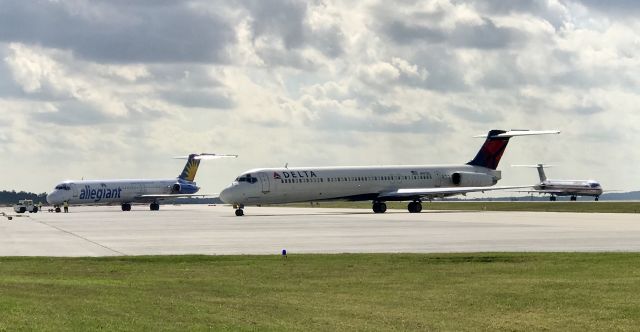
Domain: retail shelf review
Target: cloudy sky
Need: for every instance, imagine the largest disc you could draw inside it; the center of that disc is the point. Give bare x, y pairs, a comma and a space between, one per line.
108, 89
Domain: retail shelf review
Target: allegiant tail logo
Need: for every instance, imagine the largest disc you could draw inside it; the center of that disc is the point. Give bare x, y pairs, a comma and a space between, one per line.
98, 194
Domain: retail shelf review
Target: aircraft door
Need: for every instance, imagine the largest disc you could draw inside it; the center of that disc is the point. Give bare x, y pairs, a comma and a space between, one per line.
74, 191
264, 181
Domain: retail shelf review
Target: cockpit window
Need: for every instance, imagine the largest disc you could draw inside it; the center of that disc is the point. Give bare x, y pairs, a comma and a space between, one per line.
594, 185
247, 178
63, 186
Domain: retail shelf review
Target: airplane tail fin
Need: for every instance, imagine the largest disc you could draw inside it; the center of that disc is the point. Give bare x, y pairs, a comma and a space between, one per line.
190, 169
496, 143
193, 162
543, 177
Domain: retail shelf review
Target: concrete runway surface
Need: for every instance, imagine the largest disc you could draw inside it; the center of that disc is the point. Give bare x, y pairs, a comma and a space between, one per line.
215, 230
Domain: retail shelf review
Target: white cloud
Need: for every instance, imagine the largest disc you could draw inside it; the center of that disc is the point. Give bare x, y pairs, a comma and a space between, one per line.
118, 87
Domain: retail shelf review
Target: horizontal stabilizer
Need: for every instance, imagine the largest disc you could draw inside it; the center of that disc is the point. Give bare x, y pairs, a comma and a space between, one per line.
207, 156
519, 132
534, 166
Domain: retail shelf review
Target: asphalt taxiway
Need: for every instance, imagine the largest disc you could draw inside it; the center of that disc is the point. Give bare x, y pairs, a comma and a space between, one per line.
215, 230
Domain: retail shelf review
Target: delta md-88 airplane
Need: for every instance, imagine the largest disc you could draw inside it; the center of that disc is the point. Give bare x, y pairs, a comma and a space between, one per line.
374, 183
125, 192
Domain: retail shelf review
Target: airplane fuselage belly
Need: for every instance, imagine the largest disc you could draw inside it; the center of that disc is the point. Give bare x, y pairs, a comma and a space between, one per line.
290, 185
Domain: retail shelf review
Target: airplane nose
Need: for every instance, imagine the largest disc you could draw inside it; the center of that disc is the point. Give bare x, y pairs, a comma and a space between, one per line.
50, 199
54, 198
227, 195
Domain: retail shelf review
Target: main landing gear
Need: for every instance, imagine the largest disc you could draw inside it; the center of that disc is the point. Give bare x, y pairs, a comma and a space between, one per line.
574, 198
154, 206
414, 207
597, 198
552, 198
379, 207
126, 207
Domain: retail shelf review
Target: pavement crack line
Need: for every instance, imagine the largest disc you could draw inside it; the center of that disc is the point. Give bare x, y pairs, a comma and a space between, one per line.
81, 237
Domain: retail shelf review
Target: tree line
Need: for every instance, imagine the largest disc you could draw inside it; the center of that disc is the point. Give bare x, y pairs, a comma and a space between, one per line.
12, 197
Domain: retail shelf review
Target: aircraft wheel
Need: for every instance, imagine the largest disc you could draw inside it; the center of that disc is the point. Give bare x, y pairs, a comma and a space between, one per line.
552, 198
239, 212
414, 207
154, 207
379, 207
58, 210
126, 207
597, 198
574, 198
411, 207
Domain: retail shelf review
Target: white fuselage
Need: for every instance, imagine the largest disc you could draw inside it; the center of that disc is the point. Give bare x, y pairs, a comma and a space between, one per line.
300, 184
570, 187
92, 192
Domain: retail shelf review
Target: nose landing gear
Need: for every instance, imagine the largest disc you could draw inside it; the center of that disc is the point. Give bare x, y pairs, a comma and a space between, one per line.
154, 206
126, 207
239, 210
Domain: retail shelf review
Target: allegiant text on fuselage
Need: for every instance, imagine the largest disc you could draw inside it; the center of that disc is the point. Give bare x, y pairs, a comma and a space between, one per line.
98, 194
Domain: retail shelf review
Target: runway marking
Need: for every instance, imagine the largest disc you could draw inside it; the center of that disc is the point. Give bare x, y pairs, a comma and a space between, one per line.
82, 237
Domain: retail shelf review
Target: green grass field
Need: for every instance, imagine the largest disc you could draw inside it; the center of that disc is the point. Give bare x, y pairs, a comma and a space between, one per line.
591, 207
377, 292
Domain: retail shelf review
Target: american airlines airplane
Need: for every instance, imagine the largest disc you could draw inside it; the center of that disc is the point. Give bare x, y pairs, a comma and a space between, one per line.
125, 192
374, 183
572, 188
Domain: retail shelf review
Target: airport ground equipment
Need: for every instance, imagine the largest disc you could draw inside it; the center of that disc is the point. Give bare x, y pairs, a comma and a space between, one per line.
25, 205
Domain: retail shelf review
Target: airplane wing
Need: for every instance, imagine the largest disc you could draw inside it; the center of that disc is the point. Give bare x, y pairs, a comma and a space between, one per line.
440, 192
541, 191
161, 197
555, 191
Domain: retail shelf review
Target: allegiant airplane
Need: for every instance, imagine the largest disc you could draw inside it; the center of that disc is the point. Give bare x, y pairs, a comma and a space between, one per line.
377, 184
125, 192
